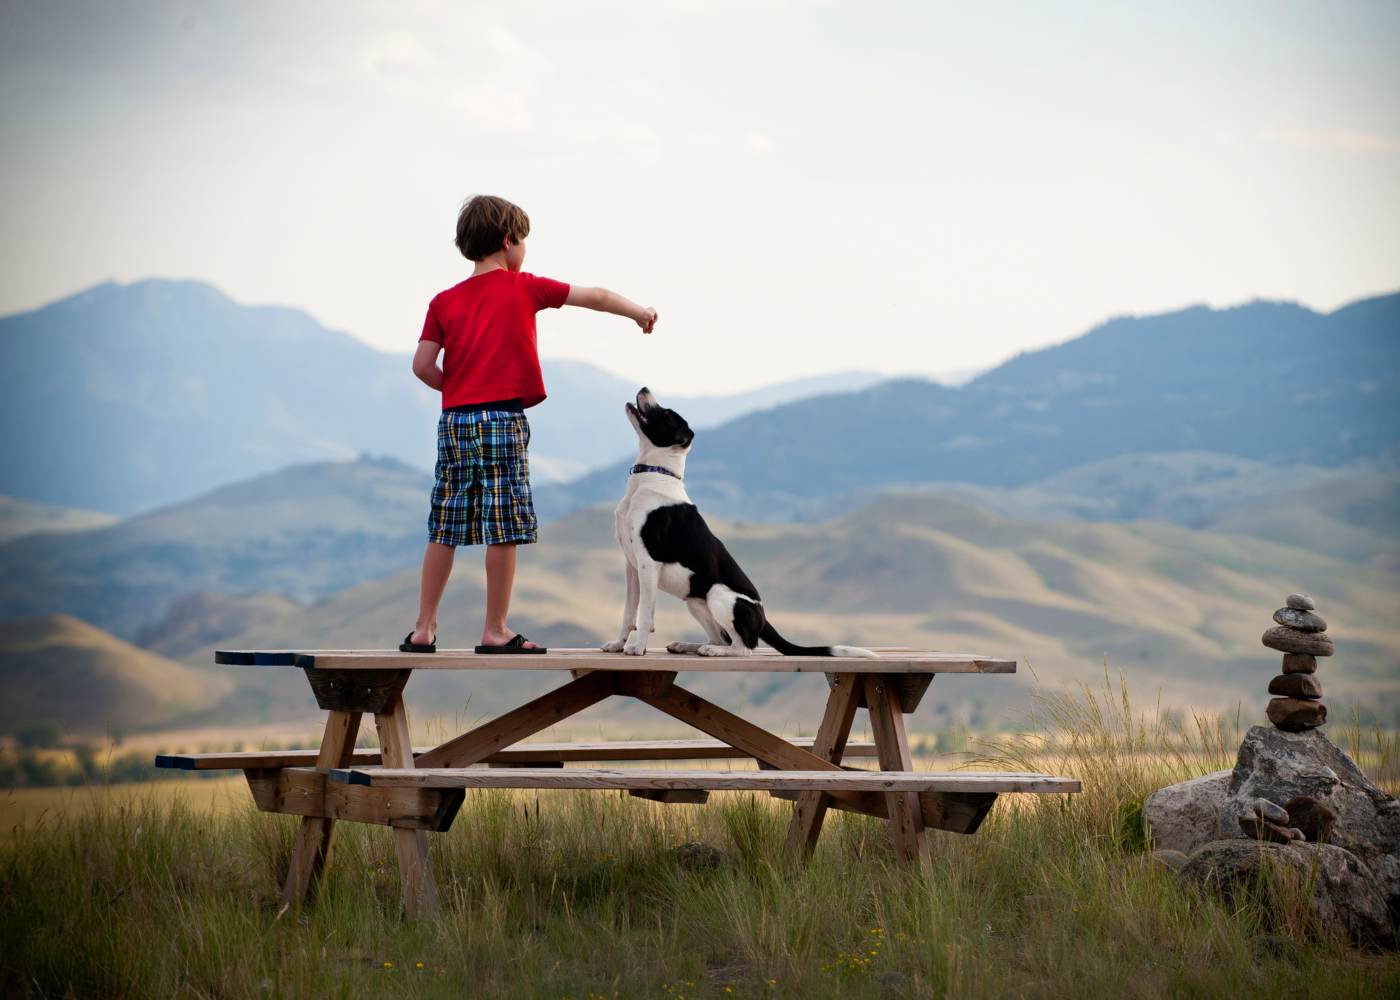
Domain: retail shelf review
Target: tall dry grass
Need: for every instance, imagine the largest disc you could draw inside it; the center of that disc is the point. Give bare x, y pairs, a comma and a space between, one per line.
581, 894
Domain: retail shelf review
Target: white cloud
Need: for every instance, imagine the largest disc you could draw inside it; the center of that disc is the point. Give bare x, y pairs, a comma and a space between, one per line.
399, 53
1338, 139
605, 127
760, 144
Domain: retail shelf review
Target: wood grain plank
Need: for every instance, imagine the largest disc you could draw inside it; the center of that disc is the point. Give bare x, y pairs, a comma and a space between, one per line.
830, 745
417, 887
313, 840
956, 812
887, 726
305, 791
541, 713
520, 753
892, 661
724, 725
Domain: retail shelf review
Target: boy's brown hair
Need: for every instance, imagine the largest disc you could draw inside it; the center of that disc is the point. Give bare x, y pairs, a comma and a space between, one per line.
484, 223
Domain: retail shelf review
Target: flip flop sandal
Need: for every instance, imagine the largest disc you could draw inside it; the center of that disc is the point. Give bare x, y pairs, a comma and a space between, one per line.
409, 646
516, 645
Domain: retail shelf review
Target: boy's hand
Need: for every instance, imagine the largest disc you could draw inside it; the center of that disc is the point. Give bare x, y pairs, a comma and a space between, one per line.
647, 319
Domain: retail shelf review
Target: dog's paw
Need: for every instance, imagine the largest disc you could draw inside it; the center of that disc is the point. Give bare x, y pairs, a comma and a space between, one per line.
682, 647
711, 649
635, 647
613, 647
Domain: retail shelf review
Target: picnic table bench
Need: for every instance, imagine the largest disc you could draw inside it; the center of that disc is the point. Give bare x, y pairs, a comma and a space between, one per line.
415, 790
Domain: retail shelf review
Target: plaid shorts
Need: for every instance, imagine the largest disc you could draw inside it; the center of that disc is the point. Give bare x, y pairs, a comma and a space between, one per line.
481, 495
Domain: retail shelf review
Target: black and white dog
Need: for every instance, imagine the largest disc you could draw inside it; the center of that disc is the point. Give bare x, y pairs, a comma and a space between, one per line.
670, 547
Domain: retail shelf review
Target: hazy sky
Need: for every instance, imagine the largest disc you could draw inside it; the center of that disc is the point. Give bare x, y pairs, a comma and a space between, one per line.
797, 187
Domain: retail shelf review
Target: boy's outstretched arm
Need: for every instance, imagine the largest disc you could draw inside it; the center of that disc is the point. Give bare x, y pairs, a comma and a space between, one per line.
425, 364
610, 302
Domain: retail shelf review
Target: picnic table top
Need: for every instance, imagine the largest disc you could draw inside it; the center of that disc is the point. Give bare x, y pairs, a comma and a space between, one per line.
889, 660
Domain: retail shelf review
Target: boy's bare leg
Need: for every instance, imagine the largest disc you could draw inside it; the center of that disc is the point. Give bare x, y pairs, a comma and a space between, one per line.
437, 567
500, 578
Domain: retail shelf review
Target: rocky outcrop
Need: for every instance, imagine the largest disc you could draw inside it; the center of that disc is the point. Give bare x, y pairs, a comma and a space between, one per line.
1282, 767
1184, 816
1295, 807
1340, 892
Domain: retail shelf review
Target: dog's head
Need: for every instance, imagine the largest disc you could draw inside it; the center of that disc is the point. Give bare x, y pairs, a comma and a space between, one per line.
655, 424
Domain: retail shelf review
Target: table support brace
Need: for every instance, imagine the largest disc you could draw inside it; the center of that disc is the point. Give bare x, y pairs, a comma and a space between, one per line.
313, 841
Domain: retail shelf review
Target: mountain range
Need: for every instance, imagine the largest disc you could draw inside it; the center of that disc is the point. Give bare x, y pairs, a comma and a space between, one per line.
1144, 494
303, 532
123, 398
1269, 382
1177, 611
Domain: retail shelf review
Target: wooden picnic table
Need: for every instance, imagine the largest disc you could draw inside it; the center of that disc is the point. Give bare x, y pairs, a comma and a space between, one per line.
417, 790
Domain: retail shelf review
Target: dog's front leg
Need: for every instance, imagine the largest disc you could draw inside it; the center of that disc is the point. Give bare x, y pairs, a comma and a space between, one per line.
648, 583
629, 611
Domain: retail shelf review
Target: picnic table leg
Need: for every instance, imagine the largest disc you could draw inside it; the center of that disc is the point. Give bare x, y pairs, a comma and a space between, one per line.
313, 842
830, 744
416, 883
892, 745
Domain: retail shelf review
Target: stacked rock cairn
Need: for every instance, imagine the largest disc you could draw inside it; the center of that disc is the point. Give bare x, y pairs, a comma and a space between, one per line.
1301, 636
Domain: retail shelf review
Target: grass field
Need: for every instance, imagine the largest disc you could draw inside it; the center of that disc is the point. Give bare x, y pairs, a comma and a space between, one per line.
170, 890
29, 809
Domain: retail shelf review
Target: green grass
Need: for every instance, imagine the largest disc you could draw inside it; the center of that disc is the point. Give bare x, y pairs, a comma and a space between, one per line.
581, 894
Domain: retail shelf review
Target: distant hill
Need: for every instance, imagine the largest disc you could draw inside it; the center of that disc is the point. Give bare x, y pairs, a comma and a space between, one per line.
1177, 611
1351, 511
257, 551
20, 517
1267, 382
130, 396
580, 427
303, 532
56, 669
197, 621
327, 555
1356, 517
122, 398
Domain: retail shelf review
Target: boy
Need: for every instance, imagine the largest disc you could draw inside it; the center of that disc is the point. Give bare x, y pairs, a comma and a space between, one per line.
490, 374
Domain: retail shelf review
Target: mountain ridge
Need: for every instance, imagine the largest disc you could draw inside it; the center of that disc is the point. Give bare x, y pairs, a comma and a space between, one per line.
158, 390
1265, 381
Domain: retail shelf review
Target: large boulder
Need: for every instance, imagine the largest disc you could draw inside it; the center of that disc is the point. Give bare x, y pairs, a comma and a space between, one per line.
1184, 816
1340, 890
1279, 766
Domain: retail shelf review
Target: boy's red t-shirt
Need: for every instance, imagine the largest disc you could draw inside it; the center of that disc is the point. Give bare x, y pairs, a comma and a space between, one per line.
486, 326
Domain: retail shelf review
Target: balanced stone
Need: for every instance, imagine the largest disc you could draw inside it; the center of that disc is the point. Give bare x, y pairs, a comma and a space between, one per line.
1293, 715
1296, 686
1262, 829
1270, 811
1312, 817
1303, 621
1301, 601
1299, 663
1290, 640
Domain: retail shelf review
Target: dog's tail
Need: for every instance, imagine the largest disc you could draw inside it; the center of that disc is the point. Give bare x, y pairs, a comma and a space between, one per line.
770, 635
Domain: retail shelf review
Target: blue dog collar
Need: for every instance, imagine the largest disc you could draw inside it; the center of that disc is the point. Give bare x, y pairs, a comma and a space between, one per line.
652, 468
